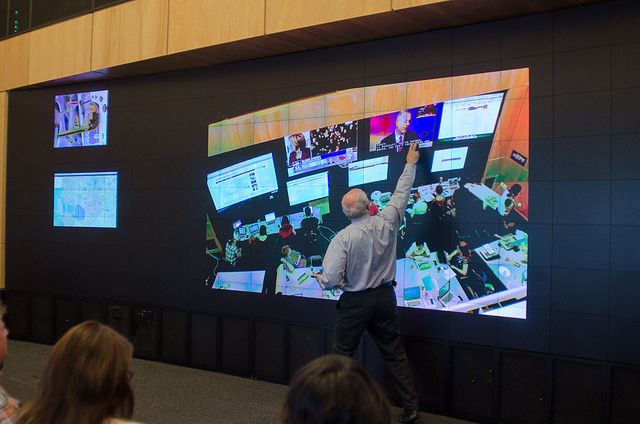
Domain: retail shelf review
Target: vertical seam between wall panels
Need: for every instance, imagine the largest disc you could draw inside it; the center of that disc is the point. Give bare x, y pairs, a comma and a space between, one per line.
551, 364
606, 395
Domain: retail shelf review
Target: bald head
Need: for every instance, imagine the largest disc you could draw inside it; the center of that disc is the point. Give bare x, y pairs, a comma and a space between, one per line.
355, 203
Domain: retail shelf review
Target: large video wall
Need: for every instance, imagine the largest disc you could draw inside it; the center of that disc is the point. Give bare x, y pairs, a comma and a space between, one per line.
276, 178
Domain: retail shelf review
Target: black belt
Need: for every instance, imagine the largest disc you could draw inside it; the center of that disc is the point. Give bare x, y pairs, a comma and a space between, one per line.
391, 283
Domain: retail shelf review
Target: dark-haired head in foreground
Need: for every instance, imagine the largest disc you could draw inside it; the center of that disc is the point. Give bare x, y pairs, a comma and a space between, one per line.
334, 389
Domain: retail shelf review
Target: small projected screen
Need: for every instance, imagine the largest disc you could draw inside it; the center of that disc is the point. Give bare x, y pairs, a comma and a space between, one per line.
309, 188
368, 171
449, 159
321, 148
242, 181
470, 117
80, 119
86, 199
393, 131
269, 217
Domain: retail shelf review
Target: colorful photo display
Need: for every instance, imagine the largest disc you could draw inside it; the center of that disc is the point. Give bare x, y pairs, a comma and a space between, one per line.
276, 178
80, 119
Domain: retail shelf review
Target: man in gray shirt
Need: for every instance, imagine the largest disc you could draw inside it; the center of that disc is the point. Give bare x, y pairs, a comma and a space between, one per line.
361, 260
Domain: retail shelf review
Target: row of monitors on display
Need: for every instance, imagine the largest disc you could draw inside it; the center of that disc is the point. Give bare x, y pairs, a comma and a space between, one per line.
438, 127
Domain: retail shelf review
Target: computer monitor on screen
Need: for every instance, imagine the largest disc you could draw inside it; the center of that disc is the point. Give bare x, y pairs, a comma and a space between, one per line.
242, 181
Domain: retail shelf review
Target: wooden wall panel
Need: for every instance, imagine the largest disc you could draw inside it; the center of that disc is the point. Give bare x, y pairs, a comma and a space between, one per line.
129, 32
17, 62
285, 15
60, 50
195, 24
4, 63
4, 102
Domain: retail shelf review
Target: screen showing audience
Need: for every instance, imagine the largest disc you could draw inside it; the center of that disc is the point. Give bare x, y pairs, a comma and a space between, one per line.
276, 186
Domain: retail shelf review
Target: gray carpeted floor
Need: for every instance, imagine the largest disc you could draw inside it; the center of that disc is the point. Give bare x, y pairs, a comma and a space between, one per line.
169, 394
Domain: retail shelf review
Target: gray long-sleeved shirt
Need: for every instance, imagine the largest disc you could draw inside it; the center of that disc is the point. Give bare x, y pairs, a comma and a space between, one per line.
363, 255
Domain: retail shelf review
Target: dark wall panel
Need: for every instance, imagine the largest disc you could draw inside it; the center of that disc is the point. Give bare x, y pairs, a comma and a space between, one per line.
269, 351
66, 315
42, 319
17, 316
305, 344
473, 382
119, 317
145, 332
625, 389
523, 389
204, 341
236, 346
430, 373
174, 336
92, 310
578, 392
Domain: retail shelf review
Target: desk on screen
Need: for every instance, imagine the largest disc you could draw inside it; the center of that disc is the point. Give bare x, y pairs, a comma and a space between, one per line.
489, 197
509, 265
430, 276
428, 192
300, 282
246, 281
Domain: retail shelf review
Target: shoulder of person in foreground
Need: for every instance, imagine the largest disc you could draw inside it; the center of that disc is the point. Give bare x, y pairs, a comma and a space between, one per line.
8, 408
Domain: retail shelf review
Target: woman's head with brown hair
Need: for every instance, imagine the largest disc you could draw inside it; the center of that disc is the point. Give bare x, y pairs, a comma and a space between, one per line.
86, 379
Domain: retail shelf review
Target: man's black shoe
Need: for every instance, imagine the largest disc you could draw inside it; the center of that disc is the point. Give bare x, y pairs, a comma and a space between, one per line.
409, 417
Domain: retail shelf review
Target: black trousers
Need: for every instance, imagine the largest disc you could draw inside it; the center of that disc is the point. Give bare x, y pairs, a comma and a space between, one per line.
375, 310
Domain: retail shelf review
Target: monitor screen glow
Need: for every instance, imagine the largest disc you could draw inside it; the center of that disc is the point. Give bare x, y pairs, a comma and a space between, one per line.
242, 181
85, 199
308, 188
449, 159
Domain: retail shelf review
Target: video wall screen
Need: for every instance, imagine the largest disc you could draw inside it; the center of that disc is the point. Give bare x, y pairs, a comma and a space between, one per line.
85, 199
80, 119
463, 243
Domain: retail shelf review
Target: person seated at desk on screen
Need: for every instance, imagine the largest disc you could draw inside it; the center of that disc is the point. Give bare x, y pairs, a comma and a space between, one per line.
286, 229
232, 252
401, 135
262, 236
418, 206
418, 251
474, 284
440, 206
292, 258
507, 202
309, 224
300, 150
459, 259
